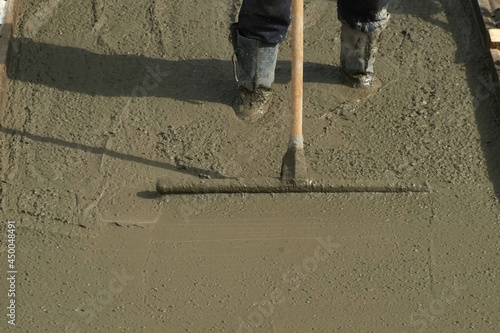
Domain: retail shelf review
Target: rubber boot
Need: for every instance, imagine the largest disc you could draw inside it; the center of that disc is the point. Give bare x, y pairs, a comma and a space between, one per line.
357, 56
254, 67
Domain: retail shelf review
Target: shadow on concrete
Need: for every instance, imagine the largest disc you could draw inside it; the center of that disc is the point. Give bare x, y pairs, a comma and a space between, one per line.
211, 80
85, 72
115, 154
481, 78
190, 80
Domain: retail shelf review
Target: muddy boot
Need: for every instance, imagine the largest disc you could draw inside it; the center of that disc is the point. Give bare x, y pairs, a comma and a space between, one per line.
254, 66
357, 56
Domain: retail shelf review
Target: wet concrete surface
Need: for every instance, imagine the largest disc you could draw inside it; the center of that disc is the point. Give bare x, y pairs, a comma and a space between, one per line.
105, 98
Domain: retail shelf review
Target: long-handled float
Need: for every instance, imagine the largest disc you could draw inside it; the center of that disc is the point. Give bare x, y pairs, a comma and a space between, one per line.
293, 178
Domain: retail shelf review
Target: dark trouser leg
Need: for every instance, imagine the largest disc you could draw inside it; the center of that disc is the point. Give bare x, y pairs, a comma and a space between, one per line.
362, 23
265, 20
262, 26
363, 15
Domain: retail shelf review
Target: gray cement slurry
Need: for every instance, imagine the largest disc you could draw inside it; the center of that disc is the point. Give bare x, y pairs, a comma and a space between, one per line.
105, 99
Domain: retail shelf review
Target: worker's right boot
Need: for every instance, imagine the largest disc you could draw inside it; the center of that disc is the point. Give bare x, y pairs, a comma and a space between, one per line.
357, 56
254, 66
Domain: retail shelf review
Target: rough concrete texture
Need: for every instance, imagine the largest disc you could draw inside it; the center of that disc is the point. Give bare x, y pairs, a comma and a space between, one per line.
106, 97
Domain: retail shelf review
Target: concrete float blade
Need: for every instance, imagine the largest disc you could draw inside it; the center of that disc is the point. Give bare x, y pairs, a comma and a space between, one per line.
193, 185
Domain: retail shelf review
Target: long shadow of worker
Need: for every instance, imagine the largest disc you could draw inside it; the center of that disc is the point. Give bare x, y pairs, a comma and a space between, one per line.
211, 80
82, 71
86, 72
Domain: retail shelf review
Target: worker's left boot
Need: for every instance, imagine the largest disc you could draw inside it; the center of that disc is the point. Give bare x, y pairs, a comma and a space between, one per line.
357, 56
254, 65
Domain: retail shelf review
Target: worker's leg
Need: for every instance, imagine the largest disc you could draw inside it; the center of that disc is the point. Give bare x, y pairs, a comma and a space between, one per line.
362, 23
261, 27
265, 20
363, 15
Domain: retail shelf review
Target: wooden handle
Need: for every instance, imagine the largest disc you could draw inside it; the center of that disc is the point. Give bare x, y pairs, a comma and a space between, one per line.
297, 65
